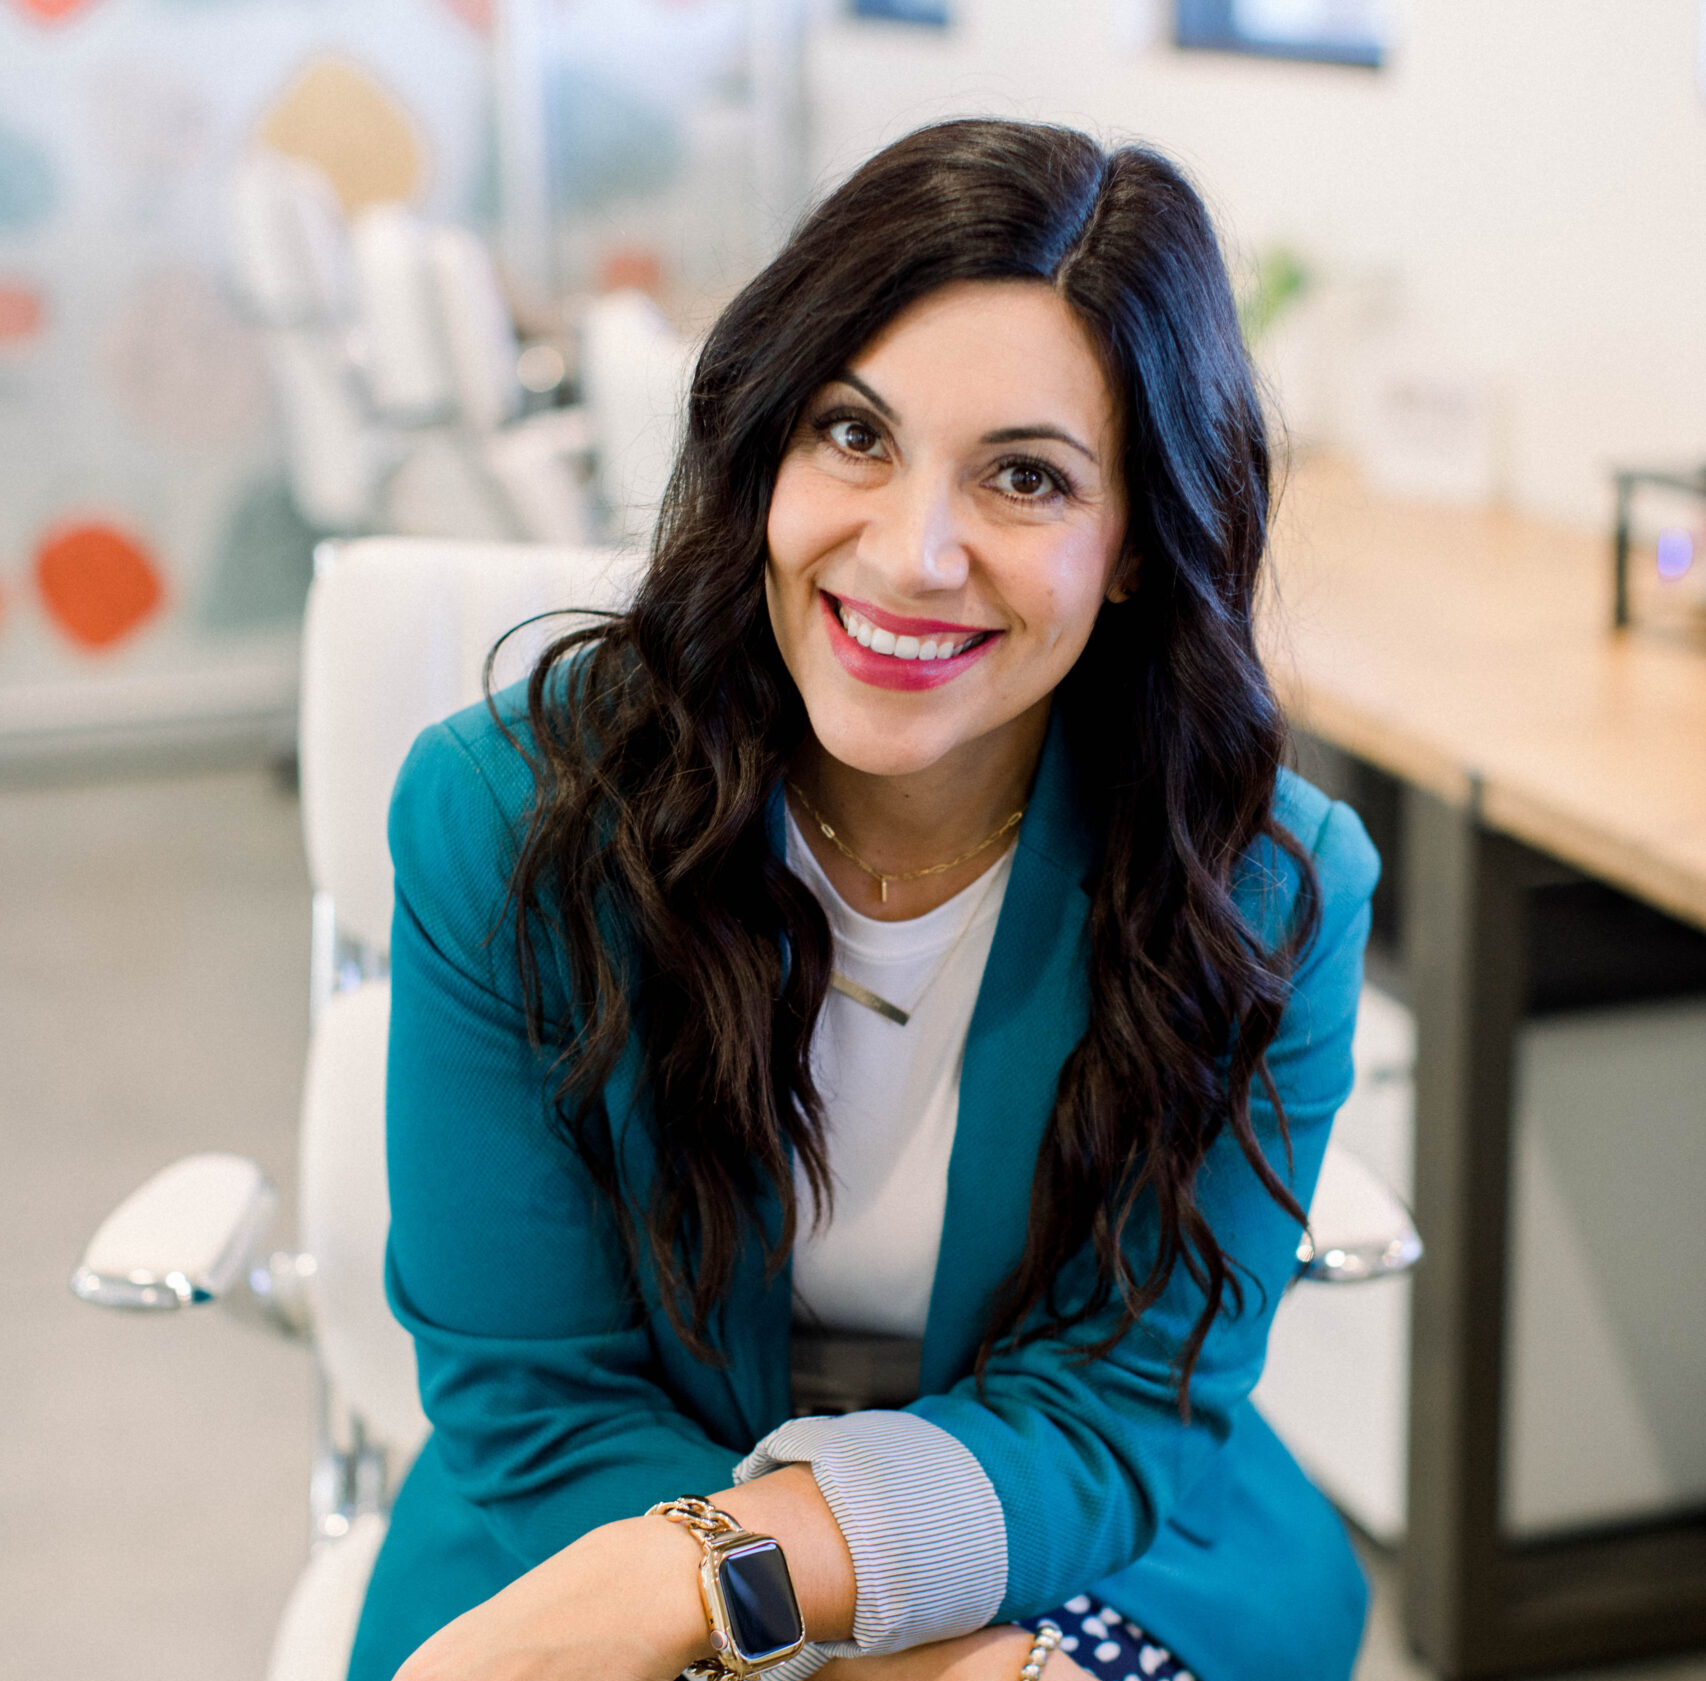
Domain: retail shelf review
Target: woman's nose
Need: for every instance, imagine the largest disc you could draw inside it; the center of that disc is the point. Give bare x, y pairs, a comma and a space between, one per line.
918, 535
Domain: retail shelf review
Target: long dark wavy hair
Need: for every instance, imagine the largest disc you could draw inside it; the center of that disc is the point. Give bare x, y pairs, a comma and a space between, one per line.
646, 861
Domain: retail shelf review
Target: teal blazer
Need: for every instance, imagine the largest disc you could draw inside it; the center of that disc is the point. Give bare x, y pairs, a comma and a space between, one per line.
560, 1399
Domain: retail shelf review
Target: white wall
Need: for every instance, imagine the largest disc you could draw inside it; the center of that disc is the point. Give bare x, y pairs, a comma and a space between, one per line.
1518, 199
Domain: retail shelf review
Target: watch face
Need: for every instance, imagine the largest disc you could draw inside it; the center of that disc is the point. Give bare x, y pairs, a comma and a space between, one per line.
763, 1616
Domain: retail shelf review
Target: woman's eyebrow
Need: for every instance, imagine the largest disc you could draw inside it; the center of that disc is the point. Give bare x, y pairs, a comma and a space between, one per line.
848, 377
1019, 434
1006, 434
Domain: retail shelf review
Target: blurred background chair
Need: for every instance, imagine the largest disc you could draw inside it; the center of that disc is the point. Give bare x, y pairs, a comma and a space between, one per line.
409, 404
397, 634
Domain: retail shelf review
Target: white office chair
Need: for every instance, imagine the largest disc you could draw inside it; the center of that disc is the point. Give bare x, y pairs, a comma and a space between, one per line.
635, 372
395, 367
396, 637
396, 634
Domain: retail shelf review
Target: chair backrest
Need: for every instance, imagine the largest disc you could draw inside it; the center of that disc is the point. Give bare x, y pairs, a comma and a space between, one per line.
337, 458
635, 370
290, 245
440, 342
396, 637
479, 337
409, 376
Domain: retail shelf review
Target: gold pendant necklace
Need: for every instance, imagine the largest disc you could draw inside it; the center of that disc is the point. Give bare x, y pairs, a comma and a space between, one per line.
850, 988
884, 877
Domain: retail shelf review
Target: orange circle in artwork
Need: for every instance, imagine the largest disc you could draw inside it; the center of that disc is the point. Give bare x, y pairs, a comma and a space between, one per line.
23, 315
51, 11
97, 583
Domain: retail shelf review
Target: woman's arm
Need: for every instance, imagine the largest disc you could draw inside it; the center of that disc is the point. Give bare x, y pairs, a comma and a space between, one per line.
624, 1600
536, 1366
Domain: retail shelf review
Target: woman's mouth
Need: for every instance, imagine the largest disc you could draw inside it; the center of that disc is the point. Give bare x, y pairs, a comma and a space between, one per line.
923, 654
942, 645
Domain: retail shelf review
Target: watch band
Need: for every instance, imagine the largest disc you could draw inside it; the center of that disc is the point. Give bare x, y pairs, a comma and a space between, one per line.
698, 1516
726, 1547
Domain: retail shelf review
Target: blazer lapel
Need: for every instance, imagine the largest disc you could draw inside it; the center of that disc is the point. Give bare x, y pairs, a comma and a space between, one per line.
746, 1398
1031, 1011
757, 1328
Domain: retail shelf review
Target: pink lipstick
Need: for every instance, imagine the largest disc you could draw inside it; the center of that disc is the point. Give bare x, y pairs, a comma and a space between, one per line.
884, 670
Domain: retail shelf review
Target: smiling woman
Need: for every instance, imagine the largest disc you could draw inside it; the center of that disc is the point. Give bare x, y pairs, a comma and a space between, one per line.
896, 935
942, 520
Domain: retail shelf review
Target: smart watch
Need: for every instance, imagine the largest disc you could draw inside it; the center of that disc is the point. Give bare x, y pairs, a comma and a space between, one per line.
748, 1594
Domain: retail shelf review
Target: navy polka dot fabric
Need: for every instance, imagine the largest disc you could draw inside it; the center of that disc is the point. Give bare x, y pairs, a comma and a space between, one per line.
1109, 1646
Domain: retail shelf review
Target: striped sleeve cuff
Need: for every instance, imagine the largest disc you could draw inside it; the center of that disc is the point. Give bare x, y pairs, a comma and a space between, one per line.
920, 1517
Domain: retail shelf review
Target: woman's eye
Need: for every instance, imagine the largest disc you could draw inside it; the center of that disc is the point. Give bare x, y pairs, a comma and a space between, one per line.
853, 436
1027, 480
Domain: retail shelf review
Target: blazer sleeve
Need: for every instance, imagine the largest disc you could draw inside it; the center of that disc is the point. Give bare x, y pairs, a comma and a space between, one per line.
535, 1365
1087, 1459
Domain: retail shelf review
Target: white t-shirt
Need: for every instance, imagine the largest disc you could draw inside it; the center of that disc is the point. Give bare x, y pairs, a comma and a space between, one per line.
892, 1097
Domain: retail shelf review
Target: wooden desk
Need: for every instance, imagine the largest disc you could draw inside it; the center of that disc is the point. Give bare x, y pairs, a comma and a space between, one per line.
1463, 650
1468, 655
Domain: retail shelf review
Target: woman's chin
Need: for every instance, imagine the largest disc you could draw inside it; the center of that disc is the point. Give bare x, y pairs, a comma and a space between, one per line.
879, 749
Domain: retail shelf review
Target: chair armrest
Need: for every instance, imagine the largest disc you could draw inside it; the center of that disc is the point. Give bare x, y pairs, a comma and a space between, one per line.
317, 1631
1358, 1227
190, 1235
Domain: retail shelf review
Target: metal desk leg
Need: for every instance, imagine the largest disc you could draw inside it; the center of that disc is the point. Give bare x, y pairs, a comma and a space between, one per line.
1478, 1606
1464, 954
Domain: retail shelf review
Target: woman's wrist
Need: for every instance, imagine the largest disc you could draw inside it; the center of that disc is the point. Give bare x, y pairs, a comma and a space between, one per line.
788, 1505
665, 1558
621, 1601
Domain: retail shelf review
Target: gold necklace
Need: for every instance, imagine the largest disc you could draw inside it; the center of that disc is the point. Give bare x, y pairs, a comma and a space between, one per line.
884, 877
886, 1008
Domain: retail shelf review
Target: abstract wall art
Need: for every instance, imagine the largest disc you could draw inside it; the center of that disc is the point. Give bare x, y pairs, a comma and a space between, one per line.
148, 555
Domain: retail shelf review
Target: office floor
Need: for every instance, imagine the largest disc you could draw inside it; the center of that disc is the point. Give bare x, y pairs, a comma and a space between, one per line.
153, 985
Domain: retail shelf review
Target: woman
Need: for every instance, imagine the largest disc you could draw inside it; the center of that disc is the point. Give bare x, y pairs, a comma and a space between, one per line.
898, 923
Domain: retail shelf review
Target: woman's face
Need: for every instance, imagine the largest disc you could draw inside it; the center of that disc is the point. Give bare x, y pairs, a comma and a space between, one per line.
945, 526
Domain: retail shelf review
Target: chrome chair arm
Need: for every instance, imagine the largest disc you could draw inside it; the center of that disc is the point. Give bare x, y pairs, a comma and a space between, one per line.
194, 1234
1358, 1226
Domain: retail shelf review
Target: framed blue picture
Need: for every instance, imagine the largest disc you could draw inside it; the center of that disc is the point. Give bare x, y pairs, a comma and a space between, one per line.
1354, 32
932, 14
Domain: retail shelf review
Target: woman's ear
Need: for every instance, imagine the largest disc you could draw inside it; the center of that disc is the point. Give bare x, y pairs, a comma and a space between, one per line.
1125, 580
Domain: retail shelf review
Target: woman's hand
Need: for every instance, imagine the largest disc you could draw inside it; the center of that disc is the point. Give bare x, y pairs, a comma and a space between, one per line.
991, 1654
622, 1603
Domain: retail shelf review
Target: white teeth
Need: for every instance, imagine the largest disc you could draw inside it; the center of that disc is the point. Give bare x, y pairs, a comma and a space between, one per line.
860, 629
881, 641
